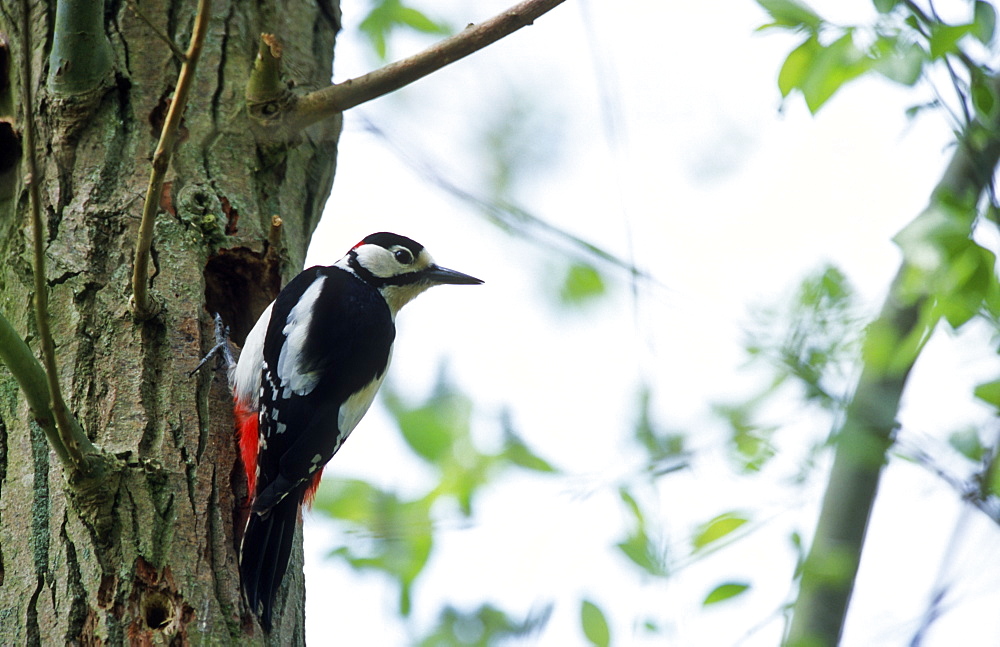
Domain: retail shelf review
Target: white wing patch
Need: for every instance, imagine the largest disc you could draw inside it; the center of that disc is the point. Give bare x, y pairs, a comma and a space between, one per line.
296, 330
245, 378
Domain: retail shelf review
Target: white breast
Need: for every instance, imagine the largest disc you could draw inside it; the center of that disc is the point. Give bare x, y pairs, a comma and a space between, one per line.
356, 406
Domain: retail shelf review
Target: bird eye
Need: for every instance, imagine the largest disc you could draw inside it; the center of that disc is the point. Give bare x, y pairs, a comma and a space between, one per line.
404, 256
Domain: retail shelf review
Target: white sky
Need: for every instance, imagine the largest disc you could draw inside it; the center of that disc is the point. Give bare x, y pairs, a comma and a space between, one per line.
726, 202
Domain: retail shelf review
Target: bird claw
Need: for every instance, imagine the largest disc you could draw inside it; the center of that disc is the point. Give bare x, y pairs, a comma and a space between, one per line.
221, 351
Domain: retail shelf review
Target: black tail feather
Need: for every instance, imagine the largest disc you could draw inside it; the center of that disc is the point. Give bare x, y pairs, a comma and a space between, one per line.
267, 544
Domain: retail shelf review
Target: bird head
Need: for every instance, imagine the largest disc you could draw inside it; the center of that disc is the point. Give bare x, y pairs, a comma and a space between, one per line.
399, 268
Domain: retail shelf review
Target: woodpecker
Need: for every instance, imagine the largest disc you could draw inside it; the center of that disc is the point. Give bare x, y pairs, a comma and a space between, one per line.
308, 372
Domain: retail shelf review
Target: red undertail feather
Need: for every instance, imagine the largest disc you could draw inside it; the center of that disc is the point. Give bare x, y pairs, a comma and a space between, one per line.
246, 430
249, 436
310, 494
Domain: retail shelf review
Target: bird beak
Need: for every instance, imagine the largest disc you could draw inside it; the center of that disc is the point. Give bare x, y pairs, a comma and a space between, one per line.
441, 275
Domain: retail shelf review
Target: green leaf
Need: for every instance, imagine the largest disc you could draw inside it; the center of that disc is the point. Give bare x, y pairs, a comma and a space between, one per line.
900, 63
419, 21
968, 444
595, 624
795, 69
427, 431
984, 22
519, 454
818, 71
984, 98
725, 591
944, 38
717, 528
638, 547
989, 392
791, 13
517, 451
347, 499
833, 66
945, 264
388, 15
433, 429
632, 505
581, 284
885, 6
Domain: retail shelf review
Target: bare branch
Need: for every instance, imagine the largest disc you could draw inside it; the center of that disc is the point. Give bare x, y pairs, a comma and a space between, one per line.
70, 443
142, 306
283, 115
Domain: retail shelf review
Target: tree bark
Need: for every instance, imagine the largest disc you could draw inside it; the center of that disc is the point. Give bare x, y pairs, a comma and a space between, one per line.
147, 552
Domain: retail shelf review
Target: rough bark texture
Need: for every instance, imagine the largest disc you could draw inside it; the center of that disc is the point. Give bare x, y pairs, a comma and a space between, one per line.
146, 555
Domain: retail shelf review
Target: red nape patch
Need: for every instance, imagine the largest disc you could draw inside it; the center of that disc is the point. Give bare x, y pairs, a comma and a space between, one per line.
246, 431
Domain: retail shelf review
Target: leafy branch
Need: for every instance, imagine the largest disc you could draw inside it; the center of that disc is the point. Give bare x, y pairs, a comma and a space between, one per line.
281, 114
142, 305
945, 274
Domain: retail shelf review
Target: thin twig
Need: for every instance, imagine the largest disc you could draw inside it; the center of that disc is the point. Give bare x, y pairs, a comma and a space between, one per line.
286, 120
70, 442
178, 53
141, 305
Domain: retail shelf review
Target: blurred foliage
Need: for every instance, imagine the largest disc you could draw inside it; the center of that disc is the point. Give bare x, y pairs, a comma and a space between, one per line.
945, 262
809, 343
483, 627
395, 534
522, 140
387, 16
968, 443
581, 284
665, 451
749, 441
638, 546
812, 337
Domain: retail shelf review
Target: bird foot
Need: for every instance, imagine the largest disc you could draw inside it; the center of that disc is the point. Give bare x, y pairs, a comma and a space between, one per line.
221, 351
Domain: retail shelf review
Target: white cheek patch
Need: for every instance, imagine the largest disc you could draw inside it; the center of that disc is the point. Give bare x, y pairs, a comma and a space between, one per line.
296, 330
382, 262
377, 260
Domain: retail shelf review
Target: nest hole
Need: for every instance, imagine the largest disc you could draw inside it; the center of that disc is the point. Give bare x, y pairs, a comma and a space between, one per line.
239, 284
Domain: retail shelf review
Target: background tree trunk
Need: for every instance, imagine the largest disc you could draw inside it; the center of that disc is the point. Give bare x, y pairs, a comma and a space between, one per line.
149, 554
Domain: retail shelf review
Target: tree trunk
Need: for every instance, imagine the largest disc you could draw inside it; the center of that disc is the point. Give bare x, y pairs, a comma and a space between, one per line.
146, 554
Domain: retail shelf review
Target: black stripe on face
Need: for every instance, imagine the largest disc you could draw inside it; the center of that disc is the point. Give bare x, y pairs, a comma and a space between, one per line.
378, 281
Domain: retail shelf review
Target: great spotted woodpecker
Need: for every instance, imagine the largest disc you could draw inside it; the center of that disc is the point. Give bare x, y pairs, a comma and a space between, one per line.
308, 372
